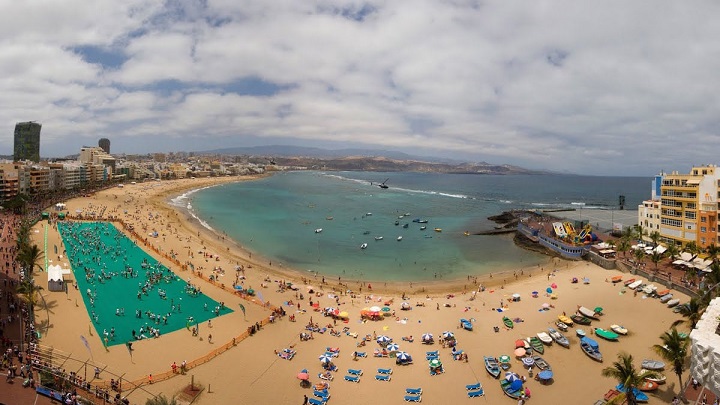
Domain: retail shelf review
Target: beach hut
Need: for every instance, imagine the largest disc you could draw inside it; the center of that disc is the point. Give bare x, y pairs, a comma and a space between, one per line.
56, 280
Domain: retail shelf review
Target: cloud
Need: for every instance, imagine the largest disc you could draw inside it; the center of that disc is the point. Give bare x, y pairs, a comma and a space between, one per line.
619, 88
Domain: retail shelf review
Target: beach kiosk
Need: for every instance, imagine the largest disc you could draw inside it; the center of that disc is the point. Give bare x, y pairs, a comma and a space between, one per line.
56, 279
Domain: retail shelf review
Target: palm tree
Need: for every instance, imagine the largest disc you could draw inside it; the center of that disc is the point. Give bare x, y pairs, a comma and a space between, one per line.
161, 400
713, 251
656, 257
673, 251
639, 255
29, 292
29, 258
623, 246
693, 249
655, 237
692, 310
674, 349
625, 373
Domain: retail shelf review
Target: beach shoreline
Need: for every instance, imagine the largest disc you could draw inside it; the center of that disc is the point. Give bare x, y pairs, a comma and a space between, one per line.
435, 307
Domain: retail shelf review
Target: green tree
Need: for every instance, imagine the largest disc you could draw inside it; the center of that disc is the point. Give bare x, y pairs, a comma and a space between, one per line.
674, 350
713, 251
692, 310
639, 255
693, 249
29, 258
655, 237
623, 245
29, 292
161, 400
672, 251
625, 373
656, 257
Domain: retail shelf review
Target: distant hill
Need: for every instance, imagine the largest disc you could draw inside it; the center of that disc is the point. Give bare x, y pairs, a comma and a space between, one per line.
363, 160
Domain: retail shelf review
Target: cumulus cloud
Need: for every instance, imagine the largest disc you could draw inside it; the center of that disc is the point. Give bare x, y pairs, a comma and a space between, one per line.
612, 88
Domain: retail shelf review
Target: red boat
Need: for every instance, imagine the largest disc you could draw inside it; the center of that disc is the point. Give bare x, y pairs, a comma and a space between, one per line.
648, 385
627, 283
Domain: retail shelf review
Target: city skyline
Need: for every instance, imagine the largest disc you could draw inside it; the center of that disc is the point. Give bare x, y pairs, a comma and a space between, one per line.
609, 89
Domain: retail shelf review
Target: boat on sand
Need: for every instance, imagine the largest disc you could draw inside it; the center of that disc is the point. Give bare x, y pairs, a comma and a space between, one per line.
541, 363
561, 326
653, 365
635, 284
545, 338
581, 320
492, 366
606, 334
564, 319
628, 282
591, 348
619, 329
508, 322
536, 344
659, 378
559, 338
588, 313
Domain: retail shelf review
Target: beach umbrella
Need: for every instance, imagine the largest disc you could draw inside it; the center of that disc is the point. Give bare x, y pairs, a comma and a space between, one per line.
343, 314
324, 359
382, 339
386, 309
586, 280
405, 305
403, 356
393, 347
535, 294
516, 385
519, 343
426, 337
528, 361
510, 376
374, 309
545, 305
548, 290
435, 363
516, 295
303, 376
504, 359
448, 335
553, 285
598, 310
520, 351
545, 375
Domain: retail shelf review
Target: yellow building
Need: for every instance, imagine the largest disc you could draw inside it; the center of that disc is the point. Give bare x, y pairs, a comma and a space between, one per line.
689, 206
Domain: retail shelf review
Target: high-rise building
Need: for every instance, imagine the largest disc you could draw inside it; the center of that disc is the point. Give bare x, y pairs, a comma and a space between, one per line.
104, 143
27, 141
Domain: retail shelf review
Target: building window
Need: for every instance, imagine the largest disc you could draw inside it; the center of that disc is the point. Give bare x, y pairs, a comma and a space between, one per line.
703, 229
702, 241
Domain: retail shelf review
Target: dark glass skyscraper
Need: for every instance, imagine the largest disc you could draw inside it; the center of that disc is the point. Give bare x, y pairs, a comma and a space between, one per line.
27, 141
104, 143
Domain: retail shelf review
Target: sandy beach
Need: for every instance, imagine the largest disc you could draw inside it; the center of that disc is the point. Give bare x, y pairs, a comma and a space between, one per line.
237, 368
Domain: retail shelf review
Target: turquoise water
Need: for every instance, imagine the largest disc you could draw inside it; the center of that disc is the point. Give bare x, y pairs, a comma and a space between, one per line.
277, 217
99, 254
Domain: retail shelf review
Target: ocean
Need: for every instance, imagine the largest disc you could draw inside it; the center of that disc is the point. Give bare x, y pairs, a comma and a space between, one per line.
277, 218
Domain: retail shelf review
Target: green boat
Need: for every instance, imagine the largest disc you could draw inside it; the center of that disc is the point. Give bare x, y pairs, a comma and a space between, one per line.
606, 334
581, 320
536, 344
508, 322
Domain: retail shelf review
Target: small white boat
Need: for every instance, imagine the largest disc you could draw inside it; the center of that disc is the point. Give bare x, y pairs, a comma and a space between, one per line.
653, 365
580, 332
649, 289
369, 214
378, 238
587, 312
363, 246
399, 238
562, 326
545, 338
619, 329
422, 228
660, 379
318, 230
673, 302
635, 285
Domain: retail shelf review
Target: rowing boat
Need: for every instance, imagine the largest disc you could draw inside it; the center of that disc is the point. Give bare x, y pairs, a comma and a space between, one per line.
580, 320
559, 338
536, 344
619, 329
508, 322
606, 334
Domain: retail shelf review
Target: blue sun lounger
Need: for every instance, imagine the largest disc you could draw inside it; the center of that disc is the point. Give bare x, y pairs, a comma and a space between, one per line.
352, 378
361, 354
382, 377
478, 393
313, 401
384, 371
414, 391
413, 398
324, 394
473, 387
354, 372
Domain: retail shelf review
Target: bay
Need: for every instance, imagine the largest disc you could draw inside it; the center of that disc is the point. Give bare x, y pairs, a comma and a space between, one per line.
277, 218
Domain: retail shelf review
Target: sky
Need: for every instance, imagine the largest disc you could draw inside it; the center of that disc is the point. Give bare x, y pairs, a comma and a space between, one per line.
606, 88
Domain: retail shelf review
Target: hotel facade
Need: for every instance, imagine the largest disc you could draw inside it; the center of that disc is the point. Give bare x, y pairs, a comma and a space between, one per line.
683, 207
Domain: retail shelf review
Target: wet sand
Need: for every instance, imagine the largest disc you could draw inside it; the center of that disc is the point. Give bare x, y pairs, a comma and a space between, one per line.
250, 372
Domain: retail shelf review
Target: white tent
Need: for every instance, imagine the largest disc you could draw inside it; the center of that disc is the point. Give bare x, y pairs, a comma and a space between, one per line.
55, 277
686, 256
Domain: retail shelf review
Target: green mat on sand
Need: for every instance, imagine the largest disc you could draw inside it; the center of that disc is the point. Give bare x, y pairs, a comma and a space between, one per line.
126, 290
